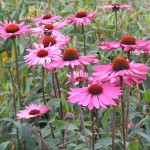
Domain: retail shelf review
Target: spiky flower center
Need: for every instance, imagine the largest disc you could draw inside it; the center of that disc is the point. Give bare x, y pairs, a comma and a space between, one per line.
47, 40
42, 53
12, 28
49, 26
128, 40
120, 63
34, 112
70, 54
81, 14
47, 16
95, 89
116, 7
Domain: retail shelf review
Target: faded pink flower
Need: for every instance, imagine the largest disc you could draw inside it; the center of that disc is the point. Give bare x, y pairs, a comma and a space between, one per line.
116, 7
47, 18
41, 55
32, 111
79, 76
95, 95
71, 58
10, 29
49, 29
128, 43
131, 72
59, 41
81, 18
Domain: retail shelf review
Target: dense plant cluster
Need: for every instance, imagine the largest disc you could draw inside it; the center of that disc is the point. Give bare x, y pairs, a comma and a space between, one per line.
74, 75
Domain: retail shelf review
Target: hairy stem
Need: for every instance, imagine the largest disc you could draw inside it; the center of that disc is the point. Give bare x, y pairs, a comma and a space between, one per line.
59, 93
84, 38
81, 114
116, 20
113, 127
93, 134
43, 90
123, 115
17, 71
65, 134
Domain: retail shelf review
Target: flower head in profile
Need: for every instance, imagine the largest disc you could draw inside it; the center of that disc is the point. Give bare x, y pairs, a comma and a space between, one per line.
79, 77
41, 55
59, 41
32, 111
47, 18
131, 72
116, 7
96, 95
73, 59
49, 29
128, 43
81, 17
12, 29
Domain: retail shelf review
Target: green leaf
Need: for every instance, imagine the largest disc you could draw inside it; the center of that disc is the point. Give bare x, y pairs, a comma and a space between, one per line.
4, 145
29, 140
134, 145
60, 124
105, 142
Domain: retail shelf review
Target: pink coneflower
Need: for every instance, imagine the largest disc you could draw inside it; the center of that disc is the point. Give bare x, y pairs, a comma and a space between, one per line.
10, 29
59, 41
41, 55
33, 111
47, 18
49, 29
79, 76
95, 95
81, 18
128, 43
71, 58
130, 71
116, 7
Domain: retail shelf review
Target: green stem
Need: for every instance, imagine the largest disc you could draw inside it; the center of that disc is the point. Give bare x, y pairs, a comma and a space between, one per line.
84, 38
93, 134
123, 115
43, 90
116, 19
17, 71
113, 127
81, 114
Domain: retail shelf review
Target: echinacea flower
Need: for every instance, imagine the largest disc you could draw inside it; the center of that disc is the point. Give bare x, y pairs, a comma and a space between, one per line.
95, 95
79, 76
41, 55
47, 18
116, 7
12, 29
71, 58
81, 17
59, 41
128, 43
130, 71
32, 111
49, 29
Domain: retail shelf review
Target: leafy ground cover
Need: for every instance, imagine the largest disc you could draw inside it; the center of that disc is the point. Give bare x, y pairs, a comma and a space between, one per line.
74, 75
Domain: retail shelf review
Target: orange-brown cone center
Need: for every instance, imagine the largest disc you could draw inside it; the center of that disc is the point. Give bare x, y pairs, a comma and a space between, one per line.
95, 89
42, 53
34, 112
47, 40
49, 26
47, 16
12, 28
70, 54
128, 40
120, 63
81, 14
